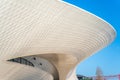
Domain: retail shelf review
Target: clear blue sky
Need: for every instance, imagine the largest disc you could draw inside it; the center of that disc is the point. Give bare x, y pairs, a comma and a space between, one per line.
107, 59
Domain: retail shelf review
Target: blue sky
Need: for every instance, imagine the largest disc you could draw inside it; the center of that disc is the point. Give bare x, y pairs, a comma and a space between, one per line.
107, 59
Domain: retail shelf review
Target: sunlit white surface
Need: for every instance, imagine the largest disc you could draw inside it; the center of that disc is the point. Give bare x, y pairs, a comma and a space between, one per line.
51, 29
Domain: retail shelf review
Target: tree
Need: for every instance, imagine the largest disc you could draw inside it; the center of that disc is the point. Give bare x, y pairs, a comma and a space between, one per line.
99, 74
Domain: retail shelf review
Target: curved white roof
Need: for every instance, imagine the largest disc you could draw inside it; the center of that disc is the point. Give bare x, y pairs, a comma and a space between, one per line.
39, 27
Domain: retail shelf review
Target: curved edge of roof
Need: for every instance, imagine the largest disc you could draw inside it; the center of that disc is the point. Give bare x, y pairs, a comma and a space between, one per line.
89, 13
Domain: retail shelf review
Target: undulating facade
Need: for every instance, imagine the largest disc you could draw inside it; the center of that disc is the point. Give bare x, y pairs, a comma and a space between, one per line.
46, 39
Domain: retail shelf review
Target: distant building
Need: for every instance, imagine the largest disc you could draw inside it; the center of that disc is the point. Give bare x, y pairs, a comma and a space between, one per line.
81, 77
